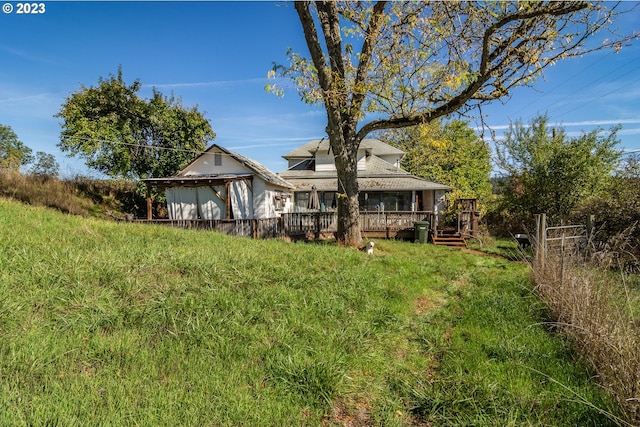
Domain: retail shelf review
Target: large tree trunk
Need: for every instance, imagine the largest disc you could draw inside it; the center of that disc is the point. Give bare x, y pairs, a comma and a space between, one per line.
348, 206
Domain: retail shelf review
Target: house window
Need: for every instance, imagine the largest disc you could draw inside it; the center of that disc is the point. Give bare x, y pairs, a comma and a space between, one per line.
385, 201
217, 159
301, 201
329, 201
371, 201
397, 201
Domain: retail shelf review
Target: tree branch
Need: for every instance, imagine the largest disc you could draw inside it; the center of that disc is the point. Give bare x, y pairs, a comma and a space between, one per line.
315, 49
330, 21
366, 55
486, 71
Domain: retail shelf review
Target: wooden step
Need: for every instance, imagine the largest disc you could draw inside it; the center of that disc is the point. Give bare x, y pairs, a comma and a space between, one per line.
449, 239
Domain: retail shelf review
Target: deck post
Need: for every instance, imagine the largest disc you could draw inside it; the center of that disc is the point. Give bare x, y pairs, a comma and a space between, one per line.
149, 203
227, 199
317, 225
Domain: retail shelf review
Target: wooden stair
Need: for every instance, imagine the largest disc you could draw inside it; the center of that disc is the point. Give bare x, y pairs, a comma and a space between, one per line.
448, 238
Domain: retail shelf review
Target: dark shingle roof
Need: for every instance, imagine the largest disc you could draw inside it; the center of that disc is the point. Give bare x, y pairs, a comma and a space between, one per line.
379, 175
309, 149
404, 183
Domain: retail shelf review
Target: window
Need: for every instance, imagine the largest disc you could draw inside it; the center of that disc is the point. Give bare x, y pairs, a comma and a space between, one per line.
388, 201
329, 201
217, 159
371, 201
397, 201
301, 201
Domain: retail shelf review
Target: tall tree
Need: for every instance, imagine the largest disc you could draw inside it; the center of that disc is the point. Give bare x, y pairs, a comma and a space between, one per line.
122, 135
450, 153
552, 173
396, 64
13, 152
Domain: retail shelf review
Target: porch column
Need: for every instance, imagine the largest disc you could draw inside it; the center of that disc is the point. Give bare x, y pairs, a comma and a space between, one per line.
149, 203
227, 200
413, 201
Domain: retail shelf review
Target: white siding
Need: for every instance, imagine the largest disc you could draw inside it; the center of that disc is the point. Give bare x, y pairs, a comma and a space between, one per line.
205, 165
325, 162
262, 200
362, 161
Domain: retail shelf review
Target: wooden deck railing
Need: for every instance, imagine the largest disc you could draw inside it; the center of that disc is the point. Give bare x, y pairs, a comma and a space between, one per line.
254, 228
381, 224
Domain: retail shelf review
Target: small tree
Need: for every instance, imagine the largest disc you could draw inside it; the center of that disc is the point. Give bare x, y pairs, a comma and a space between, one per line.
13, 153
387, 65
45, 165
122, 135
552, 173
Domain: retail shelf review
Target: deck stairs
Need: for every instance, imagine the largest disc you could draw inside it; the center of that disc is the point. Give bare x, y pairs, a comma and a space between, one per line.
448, 238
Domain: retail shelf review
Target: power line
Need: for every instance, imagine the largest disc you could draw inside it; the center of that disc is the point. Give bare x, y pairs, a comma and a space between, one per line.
559, 85
587, 88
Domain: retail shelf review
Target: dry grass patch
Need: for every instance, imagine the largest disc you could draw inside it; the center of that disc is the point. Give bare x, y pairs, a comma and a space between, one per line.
598, 309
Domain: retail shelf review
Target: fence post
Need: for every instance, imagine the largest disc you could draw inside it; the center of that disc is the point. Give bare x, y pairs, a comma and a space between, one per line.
562, 260
541, 240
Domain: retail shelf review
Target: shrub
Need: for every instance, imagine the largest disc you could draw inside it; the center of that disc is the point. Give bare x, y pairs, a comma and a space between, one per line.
77, 196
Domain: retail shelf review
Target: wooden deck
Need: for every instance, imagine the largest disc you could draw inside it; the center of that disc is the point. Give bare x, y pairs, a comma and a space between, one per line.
311, 225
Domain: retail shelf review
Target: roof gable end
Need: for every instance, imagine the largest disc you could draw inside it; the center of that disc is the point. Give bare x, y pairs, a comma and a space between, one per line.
217, 160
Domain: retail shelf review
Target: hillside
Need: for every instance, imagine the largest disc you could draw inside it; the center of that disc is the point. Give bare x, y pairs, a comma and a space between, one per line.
78, 196
113, 323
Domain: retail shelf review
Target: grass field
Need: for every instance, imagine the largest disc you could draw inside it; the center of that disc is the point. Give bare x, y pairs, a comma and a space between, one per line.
118, 324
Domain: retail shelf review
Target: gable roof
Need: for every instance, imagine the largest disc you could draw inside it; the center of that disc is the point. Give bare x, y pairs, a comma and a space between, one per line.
309, 149
253, 166
379, 175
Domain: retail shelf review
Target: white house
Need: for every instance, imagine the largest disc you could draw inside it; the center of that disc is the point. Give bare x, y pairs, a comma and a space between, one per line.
383, 185
221, 184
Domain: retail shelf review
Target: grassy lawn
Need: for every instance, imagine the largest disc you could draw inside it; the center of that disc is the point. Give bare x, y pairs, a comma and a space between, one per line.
113, 324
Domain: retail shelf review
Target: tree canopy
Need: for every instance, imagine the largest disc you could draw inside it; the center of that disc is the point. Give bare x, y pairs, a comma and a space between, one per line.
122, 135
388, 65
45, 164
13, 152
552, 173
450, 153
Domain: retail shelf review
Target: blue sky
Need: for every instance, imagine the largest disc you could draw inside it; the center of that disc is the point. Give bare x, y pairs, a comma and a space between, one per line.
216, 55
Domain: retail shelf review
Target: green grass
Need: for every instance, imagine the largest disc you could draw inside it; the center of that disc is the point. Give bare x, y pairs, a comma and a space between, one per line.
117, 324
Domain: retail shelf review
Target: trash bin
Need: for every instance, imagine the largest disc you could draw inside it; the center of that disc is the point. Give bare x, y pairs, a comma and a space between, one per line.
421, 231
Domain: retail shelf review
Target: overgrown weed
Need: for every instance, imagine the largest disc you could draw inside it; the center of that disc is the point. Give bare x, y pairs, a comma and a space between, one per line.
77, 196
597, 308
